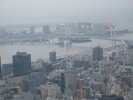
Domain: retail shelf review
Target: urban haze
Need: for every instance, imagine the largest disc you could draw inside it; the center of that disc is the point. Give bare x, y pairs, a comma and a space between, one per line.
66, 50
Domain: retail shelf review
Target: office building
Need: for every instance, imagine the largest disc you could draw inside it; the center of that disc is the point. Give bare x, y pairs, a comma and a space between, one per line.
111, 97
50, 90
46, 29
38, 78
7, 69
97, 54
15, 93
52, 56
28, 84
62, 83
21, 64
81, 63
14, 81
127, 80
0, 69
70, 80
47, 67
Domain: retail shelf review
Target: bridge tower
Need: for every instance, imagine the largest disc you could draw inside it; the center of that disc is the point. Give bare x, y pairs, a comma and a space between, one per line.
68, 46
112, 31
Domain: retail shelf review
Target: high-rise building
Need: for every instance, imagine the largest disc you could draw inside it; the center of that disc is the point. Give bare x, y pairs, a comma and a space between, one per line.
111, 97
70, 80
21, 64
46, 29
62, 83
38, 78
47, 67
97, 54
52, 56
7, 69
28, 84
0, 69
32, 30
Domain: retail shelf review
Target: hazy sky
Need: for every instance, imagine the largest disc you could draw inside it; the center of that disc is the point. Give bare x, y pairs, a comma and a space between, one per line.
119, 12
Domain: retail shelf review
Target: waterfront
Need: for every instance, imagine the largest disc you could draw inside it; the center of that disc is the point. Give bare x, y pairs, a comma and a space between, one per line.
42, 50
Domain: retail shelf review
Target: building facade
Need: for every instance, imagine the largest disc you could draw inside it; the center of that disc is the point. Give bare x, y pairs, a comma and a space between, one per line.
97, 54
0, 69
21, 64
46, 29
52, 56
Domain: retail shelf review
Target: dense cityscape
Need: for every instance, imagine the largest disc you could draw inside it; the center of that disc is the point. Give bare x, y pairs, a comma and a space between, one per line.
87, 73
66, 50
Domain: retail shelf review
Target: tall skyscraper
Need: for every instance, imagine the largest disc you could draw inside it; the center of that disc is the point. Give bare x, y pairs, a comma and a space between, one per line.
62, 83
111, 97
70, 80
21, 64
46, 29
52, 56
97, 54
0, 69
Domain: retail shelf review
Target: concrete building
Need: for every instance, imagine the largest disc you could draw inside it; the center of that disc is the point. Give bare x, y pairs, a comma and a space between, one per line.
62, 83
46, 29
52, 56
97, 54
127, 80
38, 78
14, 81
81, 63
83, 93
111, 97
50, 90
28, 84
70, 80
15, 93
0, 69
79, 82
7, 69
128, 58
47, 67
107, 66
21, 64
98, 29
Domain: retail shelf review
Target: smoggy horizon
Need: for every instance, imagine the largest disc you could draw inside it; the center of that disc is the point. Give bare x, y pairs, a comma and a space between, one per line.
117, 12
